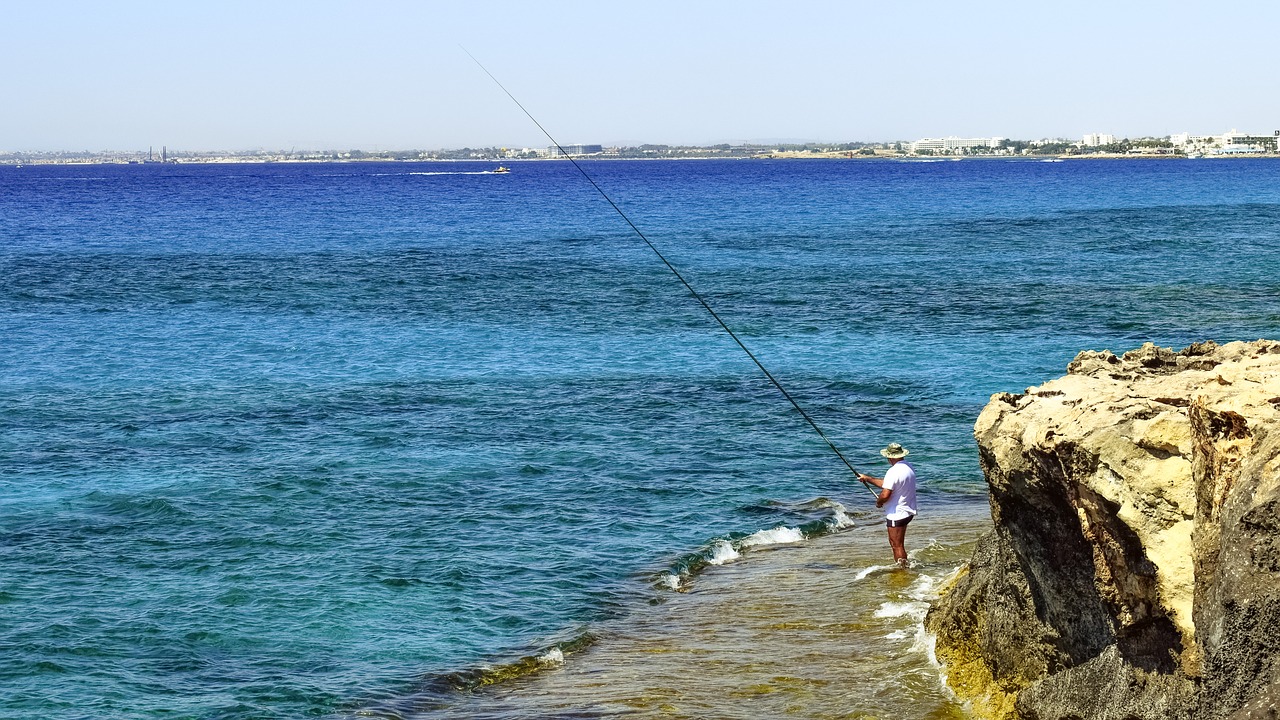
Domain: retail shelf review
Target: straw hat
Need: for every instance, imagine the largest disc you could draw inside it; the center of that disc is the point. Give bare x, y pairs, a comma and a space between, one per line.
895, 452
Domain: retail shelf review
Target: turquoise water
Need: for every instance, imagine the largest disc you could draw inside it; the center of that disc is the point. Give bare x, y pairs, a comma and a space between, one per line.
282, 441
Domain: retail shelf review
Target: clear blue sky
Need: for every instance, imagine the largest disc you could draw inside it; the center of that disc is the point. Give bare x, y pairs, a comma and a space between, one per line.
388, 74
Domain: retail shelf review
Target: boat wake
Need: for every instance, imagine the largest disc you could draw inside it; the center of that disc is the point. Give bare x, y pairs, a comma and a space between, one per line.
461, 172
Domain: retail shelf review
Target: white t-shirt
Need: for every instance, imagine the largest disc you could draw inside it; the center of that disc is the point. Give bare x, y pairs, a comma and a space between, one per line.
900, 480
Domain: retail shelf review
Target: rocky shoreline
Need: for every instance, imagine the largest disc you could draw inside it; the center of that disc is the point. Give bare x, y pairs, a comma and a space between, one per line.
1134, 566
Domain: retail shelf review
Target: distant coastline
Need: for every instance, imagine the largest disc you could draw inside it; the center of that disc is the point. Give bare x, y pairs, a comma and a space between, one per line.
1096, 146
47, 159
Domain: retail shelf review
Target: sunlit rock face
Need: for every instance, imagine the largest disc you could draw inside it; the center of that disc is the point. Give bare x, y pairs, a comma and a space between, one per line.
1134, 568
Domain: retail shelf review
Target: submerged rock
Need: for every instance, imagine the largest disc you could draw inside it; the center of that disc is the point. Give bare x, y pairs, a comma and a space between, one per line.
1134, 567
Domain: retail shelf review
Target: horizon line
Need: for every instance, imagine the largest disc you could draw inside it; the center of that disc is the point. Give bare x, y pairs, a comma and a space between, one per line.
497, 146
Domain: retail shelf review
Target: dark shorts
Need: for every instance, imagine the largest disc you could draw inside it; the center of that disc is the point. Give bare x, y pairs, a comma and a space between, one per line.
898, 523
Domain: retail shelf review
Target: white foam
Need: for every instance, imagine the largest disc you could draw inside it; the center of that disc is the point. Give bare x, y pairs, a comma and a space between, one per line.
928, 643
866, 572
722, 552
924, 588
670, 580
840, 516
951, 576
551, 657
902, 609
776, 536
925, 642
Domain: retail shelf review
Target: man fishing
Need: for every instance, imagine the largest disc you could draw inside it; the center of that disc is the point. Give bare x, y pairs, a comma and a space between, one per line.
897, 497
898, 486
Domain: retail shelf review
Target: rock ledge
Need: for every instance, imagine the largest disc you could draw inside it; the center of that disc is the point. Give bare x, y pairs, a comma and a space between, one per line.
1134, 567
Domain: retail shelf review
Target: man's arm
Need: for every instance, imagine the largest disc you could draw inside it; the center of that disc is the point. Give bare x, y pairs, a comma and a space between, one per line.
878, 482
885, 492
884, 496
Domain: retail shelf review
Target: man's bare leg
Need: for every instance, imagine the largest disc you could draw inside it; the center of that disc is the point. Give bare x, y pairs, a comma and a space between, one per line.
898, 542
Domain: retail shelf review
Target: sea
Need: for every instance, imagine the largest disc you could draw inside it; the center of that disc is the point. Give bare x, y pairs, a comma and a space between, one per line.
424, 440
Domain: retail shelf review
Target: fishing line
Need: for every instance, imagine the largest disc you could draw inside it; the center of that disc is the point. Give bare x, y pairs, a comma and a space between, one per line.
696, 296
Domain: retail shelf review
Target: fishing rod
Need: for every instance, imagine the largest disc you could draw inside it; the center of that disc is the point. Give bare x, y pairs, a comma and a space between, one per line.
696, 295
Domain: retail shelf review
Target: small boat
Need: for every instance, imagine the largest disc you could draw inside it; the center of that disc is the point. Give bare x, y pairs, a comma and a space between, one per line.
501, 170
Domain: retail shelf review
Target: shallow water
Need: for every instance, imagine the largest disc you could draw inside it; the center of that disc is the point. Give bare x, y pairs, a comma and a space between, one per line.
293, 440
821, 628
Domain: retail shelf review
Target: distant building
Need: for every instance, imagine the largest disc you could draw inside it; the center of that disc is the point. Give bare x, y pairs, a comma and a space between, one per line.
929, 145
1098, 139
951, 145
576, 150
1233, 142
1236, 142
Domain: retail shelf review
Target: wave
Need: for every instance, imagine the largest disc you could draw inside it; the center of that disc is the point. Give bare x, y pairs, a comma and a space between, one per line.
722, 550
137, 507
890, 609
548, 657
866, 572
925, 641
914, 607
777, 536
433, 690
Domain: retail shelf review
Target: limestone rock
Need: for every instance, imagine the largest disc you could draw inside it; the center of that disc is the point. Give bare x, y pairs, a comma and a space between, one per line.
1134, 568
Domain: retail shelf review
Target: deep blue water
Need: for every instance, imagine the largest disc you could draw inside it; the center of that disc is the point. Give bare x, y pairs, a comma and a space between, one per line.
277, 440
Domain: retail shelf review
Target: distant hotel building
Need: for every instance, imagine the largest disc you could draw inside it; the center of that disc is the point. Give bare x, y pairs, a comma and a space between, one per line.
953, 145
1237, 142
1098, 139
575, 150
1228, 143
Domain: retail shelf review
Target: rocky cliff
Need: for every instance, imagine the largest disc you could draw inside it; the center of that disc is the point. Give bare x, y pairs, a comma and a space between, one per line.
1134, 567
